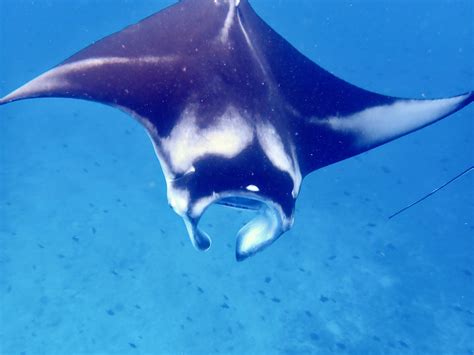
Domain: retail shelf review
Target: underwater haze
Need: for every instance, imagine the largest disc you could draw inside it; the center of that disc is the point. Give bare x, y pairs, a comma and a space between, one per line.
93, 261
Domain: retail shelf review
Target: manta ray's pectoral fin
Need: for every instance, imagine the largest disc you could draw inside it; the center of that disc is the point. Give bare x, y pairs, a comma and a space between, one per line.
339, 136
112, 80
139, 67
333, 119
380, 124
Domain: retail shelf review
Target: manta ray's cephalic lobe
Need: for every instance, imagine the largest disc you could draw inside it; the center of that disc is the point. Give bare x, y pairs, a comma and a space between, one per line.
236, 114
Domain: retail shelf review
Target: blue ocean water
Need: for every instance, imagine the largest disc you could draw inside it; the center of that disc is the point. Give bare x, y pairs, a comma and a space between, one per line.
92, 260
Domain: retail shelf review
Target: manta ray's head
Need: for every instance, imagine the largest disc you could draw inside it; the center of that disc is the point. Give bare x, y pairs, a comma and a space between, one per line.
240, 161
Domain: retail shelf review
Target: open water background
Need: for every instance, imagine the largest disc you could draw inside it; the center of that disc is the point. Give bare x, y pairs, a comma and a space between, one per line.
92, 260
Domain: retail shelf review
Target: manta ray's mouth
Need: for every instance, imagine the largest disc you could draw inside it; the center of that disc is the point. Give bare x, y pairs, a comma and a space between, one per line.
261, 231
244, 203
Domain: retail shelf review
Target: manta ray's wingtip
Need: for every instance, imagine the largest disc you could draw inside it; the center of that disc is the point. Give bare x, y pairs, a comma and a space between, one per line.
5, 100
35, 88
470, 98
465, 99
11, 97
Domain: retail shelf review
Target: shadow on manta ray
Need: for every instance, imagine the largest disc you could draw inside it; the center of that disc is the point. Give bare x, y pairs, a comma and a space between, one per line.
236, 114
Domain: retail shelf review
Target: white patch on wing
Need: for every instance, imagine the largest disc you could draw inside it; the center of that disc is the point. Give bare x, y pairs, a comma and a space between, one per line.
55, 78
382, 123
226, 137
97, 62
273, 147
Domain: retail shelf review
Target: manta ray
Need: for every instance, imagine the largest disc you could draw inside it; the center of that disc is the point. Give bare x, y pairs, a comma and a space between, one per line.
237, 116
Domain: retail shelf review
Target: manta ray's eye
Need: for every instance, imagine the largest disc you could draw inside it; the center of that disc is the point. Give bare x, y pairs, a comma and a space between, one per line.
252, 188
